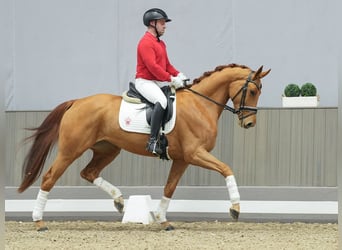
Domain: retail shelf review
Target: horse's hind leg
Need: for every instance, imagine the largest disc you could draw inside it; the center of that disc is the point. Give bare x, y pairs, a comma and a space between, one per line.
49, 179
103, 154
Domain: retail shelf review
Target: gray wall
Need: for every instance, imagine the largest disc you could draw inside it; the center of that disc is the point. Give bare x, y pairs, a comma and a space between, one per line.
5, 59
339, 158
65, 49
288, 147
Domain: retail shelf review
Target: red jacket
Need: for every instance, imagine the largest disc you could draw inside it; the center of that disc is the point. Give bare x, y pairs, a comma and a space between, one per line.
152, 60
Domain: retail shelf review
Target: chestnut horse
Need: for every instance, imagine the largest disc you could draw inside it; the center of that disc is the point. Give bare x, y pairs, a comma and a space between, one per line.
92, 123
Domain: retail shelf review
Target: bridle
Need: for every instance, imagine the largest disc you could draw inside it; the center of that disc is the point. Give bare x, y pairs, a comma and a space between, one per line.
242, 106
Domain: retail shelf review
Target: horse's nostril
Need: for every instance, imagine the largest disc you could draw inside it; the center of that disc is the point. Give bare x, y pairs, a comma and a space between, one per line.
248, 125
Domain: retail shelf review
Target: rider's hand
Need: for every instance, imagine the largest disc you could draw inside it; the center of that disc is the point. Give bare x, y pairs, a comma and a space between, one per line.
185, 79
177, 82
182, 76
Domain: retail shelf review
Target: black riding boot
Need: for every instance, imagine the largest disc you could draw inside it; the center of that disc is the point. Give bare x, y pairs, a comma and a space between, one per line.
153, 145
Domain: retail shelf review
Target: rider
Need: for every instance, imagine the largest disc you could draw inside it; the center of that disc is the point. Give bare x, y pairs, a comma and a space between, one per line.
154, 70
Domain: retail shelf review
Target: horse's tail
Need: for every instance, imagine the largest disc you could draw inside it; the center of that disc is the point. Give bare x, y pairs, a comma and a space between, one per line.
45, 137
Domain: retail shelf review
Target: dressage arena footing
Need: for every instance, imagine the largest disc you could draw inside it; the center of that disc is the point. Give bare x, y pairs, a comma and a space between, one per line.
190, 203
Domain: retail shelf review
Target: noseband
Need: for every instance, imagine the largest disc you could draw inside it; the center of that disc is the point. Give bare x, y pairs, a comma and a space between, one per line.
242, 107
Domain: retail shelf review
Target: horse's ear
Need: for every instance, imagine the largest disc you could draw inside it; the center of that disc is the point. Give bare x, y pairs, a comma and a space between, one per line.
259, 74
265, 73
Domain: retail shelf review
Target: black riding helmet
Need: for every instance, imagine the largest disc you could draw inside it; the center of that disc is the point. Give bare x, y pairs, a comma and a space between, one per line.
154, 14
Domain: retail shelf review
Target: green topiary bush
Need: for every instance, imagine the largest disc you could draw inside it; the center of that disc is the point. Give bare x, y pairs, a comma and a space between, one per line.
308, 89
292, 90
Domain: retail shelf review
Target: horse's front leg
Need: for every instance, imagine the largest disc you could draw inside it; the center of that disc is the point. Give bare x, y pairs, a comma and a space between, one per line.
177, 169
206, 160
234, 197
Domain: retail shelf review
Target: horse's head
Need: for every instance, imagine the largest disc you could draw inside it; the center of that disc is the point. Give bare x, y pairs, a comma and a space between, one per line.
245, 93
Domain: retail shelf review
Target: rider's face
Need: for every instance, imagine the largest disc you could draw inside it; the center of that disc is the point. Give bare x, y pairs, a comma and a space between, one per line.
161, 26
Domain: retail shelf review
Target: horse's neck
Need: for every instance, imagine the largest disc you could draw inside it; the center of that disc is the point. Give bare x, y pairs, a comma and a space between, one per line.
215, 87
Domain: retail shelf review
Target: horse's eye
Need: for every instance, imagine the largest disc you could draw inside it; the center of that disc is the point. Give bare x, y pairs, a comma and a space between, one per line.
253, 93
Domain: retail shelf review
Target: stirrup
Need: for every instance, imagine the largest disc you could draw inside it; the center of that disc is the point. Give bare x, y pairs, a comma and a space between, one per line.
154, 147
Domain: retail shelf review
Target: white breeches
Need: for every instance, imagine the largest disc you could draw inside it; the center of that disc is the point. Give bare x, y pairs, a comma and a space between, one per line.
151, 91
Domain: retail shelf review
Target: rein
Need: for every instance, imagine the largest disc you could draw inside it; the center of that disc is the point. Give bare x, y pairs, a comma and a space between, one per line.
224, 106
242, 106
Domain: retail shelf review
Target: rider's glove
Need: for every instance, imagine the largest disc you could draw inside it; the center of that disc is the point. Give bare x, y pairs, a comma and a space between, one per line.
177, 82
185, 79
182, 76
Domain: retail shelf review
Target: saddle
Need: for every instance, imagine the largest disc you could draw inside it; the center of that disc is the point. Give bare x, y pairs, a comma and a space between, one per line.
133, 96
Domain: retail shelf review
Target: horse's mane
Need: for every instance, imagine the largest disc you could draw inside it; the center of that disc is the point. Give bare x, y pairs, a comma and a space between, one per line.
218, 68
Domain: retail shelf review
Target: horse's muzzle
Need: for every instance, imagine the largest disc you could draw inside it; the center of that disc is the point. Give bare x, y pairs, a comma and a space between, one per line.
248, 122
249, 125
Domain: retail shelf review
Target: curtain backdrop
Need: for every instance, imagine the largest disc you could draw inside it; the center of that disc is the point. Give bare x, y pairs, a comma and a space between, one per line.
62, 49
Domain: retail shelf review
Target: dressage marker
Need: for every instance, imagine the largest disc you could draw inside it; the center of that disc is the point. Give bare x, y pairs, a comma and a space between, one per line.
139, 210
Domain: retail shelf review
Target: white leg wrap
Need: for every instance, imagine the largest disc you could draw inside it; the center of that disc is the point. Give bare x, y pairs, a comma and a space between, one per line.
160, 214
39, 207
233, 189
113, 191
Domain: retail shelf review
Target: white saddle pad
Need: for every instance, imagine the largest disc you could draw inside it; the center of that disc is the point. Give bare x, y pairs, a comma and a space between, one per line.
132, 118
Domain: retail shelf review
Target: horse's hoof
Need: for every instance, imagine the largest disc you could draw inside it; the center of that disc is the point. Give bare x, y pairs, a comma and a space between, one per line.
234, 214
119, 204
167, 226
43, 229
41, 226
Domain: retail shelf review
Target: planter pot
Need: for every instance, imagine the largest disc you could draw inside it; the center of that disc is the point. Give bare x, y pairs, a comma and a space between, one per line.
300, 101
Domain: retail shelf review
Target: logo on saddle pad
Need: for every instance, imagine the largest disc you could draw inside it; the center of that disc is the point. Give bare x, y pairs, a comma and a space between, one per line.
135, 115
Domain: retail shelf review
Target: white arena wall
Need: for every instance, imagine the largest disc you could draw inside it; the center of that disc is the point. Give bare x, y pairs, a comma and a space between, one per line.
285, 167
